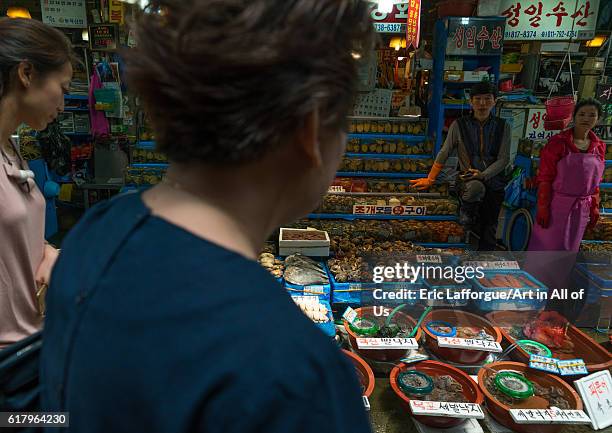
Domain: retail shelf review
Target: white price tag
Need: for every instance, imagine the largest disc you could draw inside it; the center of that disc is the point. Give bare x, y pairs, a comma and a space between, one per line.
572, 367
336, 188
451, 410
549, 416
429, 258
544, 363
355, 286
596, 393
501, 265
366, 402
387, 343
318, 290
468, 343
350, 315
414, 357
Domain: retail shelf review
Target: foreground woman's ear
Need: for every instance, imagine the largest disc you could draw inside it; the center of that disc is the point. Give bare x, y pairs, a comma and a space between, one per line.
308, 139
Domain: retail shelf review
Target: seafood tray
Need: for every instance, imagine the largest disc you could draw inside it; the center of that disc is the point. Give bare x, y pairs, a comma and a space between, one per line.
387, 126
595, 356
460, 387
596, 247
400, 186
547, 391
607, 177
310, 247
508, 282
382, 147
274, 265
386, 165
602, 231
305, 276
319, 311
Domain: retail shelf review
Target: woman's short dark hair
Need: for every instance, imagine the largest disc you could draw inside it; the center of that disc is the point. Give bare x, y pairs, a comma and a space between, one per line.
45, 47
225, 81
589, 102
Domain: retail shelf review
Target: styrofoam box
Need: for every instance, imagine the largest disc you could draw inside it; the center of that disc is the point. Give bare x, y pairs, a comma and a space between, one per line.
312, 248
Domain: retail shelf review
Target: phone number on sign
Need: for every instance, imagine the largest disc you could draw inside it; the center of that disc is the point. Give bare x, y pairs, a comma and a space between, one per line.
551, 34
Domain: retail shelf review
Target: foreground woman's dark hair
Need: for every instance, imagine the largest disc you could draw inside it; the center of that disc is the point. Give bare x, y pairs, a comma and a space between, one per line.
226, 81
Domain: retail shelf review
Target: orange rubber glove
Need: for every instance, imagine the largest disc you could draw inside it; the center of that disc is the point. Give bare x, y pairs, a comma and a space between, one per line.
543, 204
427, 182
594, 211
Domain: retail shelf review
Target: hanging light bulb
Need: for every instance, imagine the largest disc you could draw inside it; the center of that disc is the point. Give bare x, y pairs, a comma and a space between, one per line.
18, 12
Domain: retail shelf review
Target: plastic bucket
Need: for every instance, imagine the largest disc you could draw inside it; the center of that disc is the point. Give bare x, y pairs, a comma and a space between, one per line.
556, 125
561, 107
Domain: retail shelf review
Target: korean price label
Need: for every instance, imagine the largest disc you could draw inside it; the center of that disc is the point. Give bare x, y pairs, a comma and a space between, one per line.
336, 188
387, 343
502, 265
596, 392
429, 258
316, 290
572, 367
451, 410
468, 343
544, 363
350, 315
549, 416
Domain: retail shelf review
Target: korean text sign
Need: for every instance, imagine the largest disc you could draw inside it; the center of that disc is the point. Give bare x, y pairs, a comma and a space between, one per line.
549, 19
475, 35
64, 13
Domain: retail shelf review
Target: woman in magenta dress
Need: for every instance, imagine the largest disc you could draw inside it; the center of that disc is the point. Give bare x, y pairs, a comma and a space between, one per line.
571, 168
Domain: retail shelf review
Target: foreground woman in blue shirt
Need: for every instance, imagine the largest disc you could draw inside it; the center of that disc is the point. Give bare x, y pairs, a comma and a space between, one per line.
159, 318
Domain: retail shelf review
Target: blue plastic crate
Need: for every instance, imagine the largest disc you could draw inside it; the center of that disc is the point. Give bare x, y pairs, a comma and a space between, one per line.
510, 304
587, 269
594, 292
349, 293
323, 291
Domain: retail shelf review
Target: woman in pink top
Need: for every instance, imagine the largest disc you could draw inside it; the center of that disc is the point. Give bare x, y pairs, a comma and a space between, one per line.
35, 72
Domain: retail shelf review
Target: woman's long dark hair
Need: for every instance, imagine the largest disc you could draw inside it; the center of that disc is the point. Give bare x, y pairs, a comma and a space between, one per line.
46, 48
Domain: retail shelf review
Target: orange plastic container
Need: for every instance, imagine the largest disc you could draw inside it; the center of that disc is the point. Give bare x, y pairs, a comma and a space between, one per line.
434, 368
364, 372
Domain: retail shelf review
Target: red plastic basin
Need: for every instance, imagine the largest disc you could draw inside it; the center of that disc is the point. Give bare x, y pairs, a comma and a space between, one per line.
434, 369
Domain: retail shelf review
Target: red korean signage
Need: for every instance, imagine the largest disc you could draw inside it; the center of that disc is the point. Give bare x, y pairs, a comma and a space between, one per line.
475, 36
549, 19
413, 27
